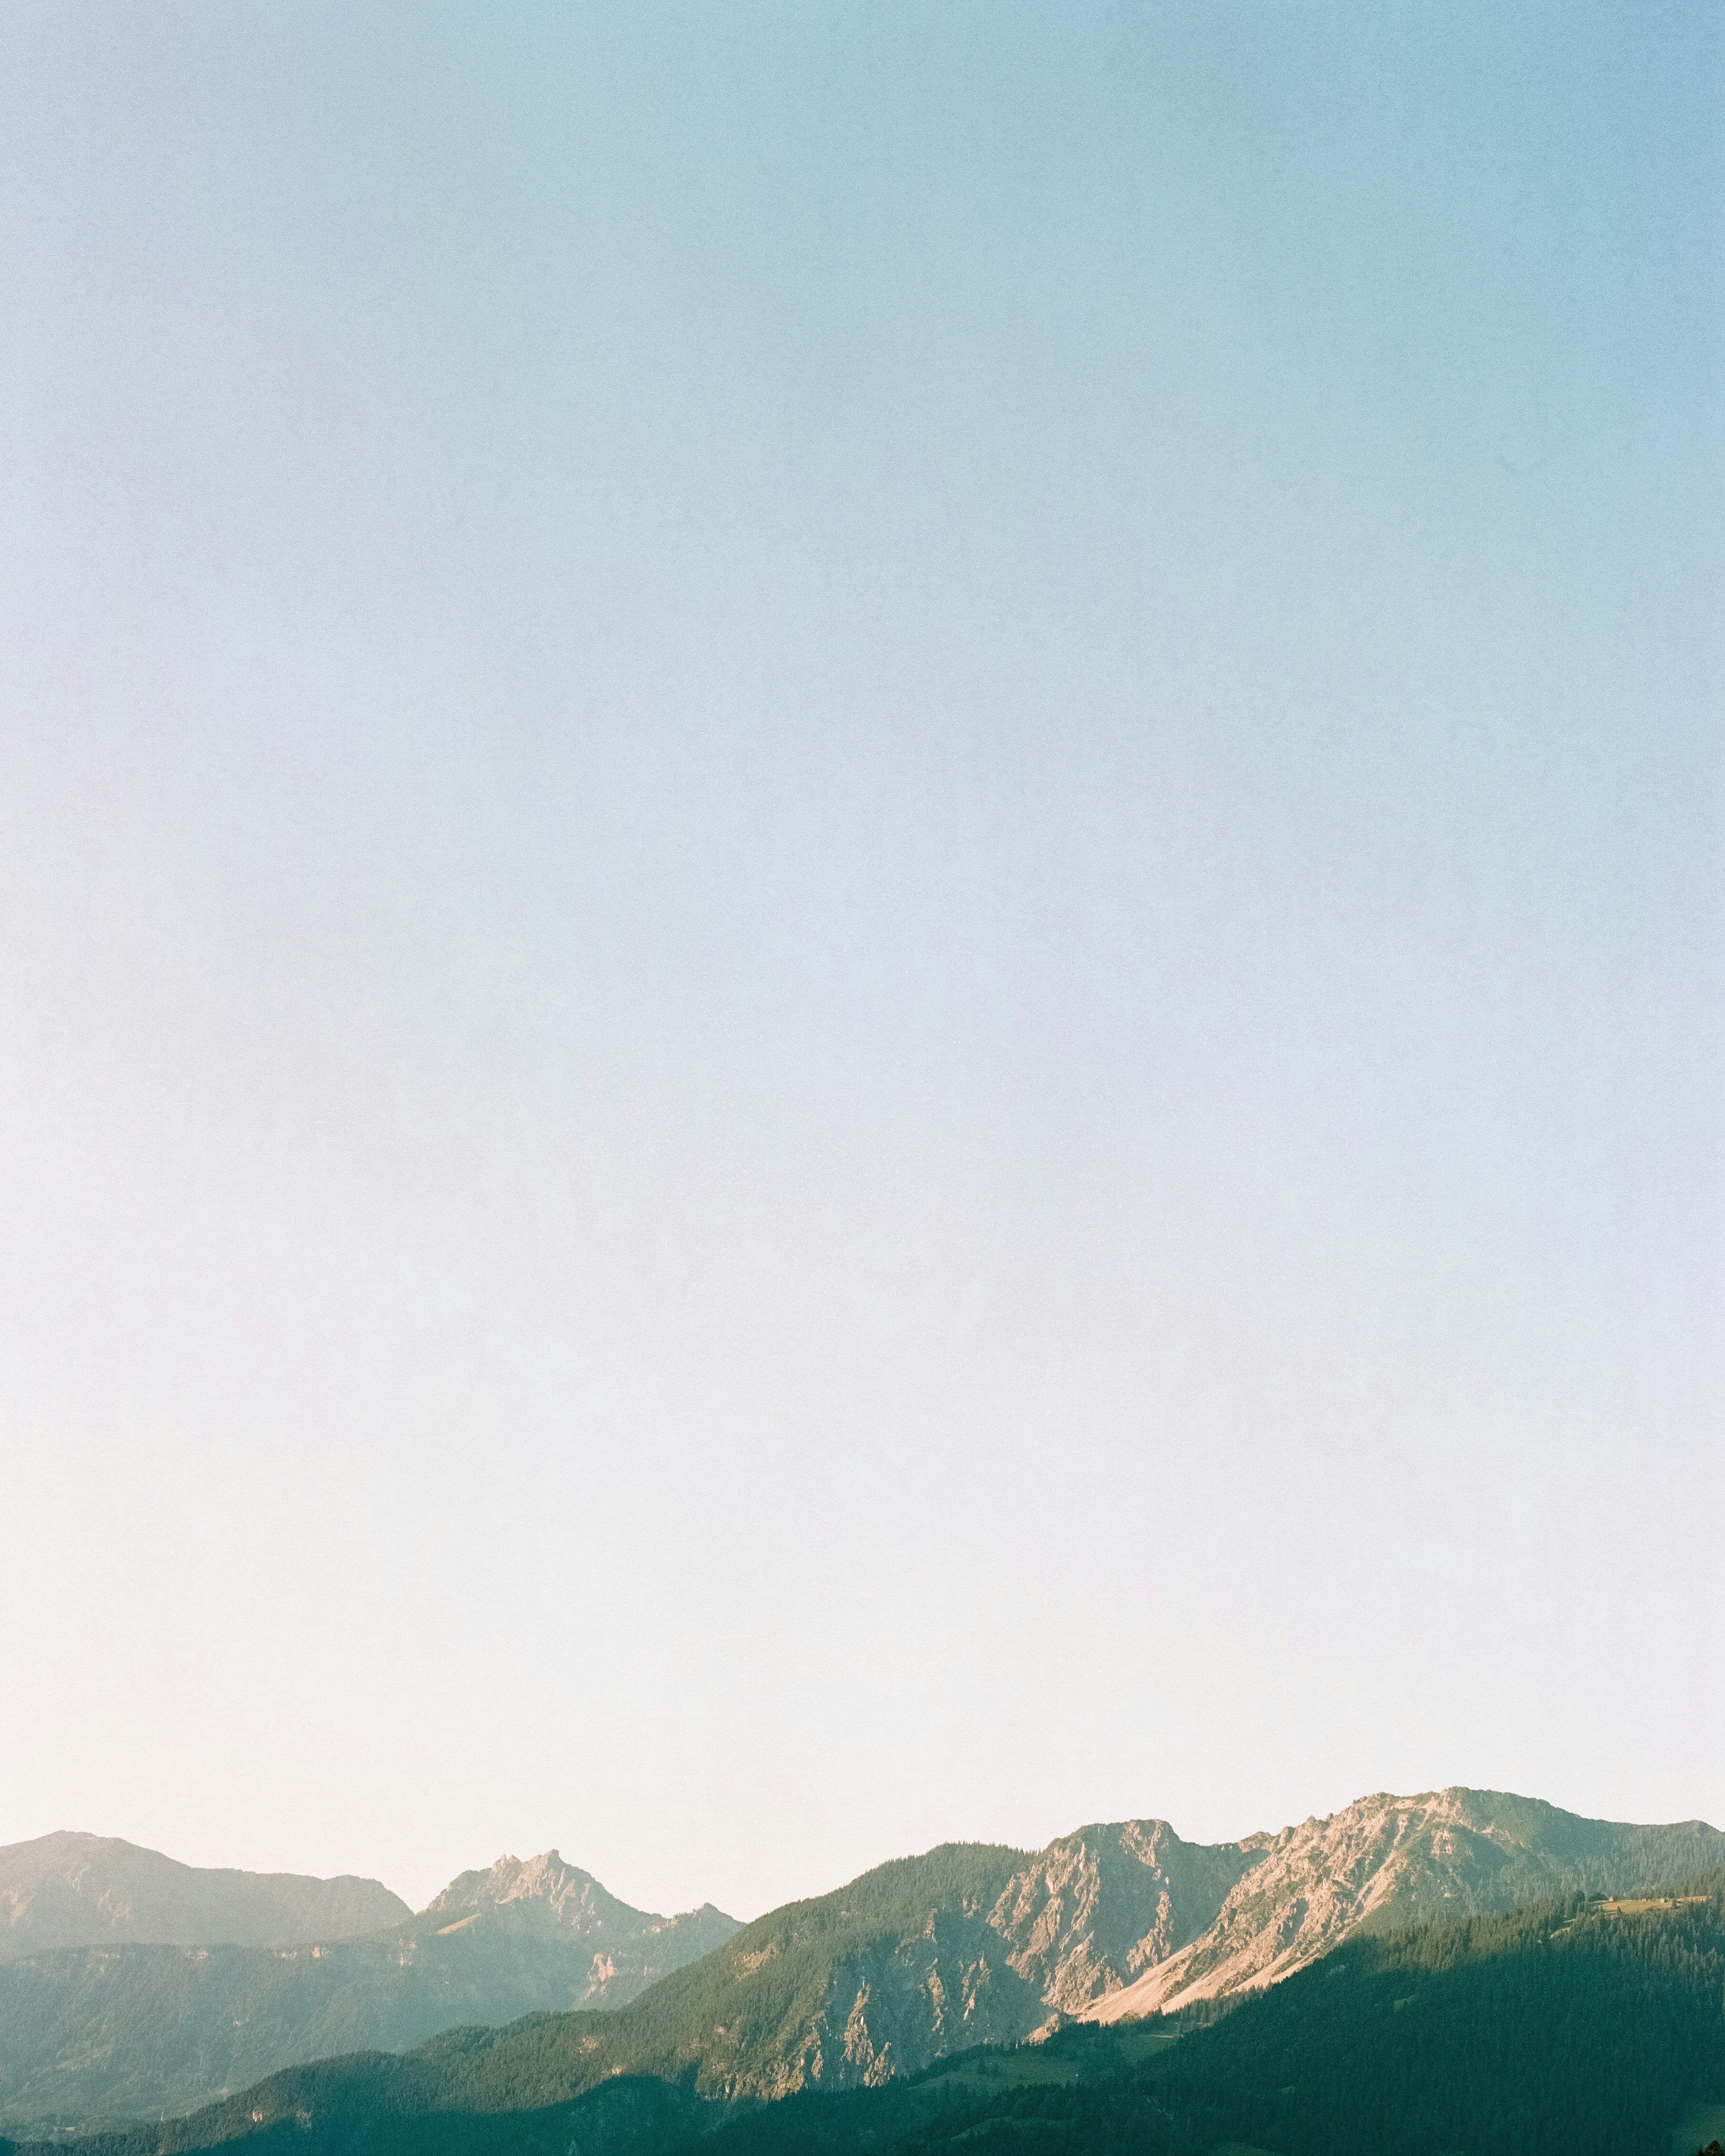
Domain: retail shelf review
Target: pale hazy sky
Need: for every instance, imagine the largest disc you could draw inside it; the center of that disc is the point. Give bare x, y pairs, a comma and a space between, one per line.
861, 971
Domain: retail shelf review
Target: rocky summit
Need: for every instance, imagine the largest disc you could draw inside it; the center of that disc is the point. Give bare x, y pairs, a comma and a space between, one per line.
631, 1948
1387, 1860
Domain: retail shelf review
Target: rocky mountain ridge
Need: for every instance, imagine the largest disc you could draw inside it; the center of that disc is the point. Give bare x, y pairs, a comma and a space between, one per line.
969, 1944
1387, 1861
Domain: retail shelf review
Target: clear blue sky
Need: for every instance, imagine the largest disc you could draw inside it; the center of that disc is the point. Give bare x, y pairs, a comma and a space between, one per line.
860, 975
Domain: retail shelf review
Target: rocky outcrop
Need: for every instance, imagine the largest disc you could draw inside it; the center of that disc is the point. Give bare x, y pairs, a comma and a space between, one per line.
902, 2005
887, 2008
1098, 1907
1387, 1861
77, 1890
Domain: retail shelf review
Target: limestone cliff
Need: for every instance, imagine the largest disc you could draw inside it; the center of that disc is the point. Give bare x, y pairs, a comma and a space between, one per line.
1099, 1906
1387, 1860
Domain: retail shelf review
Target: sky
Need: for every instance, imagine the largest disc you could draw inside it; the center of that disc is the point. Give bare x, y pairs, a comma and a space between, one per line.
861, 883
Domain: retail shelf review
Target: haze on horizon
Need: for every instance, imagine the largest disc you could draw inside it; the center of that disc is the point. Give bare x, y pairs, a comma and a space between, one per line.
860, 970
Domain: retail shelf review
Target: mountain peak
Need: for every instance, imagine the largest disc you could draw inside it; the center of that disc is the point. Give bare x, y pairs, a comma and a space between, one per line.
547, 1889
574, 1898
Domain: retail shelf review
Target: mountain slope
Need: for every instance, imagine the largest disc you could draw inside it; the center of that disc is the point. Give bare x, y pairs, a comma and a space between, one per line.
1387, 1860
129, 2031
73, 1890
900, 1964
970, 1943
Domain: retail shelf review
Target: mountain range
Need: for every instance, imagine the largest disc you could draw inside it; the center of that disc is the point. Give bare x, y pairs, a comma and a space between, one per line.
1581, 2027
914, 1961
149, 2024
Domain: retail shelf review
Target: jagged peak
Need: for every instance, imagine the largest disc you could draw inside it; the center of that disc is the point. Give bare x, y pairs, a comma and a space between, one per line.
569, 1896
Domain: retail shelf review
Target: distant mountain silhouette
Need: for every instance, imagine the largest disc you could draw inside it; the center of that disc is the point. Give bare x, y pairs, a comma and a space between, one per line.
76, 1890
129, 2029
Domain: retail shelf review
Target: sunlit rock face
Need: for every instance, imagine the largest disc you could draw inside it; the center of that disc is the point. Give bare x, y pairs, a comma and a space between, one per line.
1098, 1907
1387, 1860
